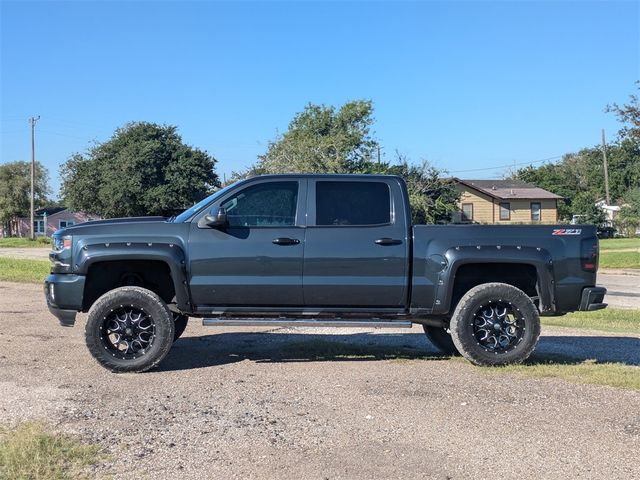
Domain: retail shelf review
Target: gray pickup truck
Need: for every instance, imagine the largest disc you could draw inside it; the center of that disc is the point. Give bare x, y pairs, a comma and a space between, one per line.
317, 250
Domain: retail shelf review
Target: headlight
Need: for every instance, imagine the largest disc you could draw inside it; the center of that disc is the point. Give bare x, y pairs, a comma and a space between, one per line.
61, 243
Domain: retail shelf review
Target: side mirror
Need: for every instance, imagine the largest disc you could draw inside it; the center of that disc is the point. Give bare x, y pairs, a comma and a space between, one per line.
216, 218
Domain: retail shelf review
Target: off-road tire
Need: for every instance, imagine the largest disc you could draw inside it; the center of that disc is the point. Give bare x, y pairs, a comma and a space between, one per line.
179, 325
467, 316
142, 300
441, 339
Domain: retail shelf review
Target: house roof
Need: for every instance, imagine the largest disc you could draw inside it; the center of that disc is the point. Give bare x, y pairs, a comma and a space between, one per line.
509, 189
49, 211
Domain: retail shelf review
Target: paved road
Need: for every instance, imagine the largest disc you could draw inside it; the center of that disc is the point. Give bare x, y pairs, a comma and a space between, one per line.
333, 404
623, 291
29, 253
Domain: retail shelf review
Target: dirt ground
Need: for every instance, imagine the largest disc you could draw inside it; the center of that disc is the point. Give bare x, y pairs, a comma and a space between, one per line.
317, 404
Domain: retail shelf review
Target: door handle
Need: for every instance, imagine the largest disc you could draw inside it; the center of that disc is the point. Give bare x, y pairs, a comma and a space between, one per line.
388, 241
285, 241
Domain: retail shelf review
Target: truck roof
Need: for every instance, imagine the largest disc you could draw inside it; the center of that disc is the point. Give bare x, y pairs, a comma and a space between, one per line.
325, 175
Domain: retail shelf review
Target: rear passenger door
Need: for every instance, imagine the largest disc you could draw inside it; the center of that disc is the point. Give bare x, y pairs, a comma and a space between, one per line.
356, 252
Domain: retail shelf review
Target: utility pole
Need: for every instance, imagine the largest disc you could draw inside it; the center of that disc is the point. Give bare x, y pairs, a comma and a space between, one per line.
378, 154
33, 121
606, 169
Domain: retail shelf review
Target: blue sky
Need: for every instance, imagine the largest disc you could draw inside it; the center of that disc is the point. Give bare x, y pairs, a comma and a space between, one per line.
467, 85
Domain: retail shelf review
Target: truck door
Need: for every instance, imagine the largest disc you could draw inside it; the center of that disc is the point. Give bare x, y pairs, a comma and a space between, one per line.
356, 252
257, 259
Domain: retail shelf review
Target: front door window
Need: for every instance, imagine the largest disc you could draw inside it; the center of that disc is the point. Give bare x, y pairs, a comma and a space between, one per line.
264, 205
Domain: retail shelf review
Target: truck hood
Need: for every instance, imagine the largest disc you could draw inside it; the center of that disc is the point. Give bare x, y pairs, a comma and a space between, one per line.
121, 224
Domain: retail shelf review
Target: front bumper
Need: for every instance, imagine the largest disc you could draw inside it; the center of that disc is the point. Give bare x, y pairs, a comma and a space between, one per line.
63, 293
592, 299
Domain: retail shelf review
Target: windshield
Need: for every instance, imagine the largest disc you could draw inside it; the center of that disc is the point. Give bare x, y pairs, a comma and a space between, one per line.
187, 214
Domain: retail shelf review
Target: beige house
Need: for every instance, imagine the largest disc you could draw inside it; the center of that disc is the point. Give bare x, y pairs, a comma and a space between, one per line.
505, 201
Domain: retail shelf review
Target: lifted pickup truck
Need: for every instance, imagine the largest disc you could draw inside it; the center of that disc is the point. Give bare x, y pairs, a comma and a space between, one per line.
317, 250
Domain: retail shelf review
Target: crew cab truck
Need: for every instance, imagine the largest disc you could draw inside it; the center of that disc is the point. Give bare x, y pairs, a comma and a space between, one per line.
317, 250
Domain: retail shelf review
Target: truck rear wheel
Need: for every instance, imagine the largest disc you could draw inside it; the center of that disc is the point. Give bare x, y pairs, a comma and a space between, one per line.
441, 339
495, 324
129, 329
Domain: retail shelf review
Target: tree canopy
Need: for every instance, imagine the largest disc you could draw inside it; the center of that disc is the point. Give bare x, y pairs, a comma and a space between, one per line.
15, 191
629, 217
143, 169
321, 139
433, 197
579, 177
629, 115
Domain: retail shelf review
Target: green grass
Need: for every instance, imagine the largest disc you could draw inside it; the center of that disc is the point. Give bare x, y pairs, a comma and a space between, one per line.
22, 270
629, 259
32, 452
608, 320
619, 243
615, 375
15, 242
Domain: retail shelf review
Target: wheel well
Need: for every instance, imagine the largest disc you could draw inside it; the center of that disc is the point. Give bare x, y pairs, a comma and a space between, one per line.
102, 277
519, 275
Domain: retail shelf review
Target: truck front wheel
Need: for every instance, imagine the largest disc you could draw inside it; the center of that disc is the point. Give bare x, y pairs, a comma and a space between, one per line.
129, 329
495, 324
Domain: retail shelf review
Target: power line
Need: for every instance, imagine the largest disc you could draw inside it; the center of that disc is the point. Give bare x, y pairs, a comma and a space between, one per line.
557, 157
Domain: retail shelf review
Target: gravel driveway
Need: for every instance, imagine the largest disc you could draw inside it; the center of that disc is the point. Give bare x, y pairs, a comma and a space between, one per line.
307, 403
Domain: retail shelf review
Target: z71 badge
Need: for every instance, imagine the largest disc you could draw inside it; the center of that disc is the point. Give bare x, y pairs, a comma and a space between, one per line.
567, 231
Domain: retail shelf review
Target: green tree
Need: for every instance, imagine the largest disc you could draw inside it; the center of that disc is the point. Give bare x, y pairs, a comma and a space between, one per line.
579, 177
433, 197
321, 139
15, 192
629, 216
629, 115
143, 169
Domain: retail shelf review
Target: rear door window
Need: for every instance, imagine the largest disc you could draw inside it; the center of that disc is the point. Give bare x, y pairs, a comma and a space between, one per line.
352, 203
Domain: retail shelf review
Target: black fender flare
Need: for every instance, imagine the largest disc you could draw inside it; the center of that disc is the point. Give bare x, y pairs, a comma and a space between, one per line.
170, 253
456, 257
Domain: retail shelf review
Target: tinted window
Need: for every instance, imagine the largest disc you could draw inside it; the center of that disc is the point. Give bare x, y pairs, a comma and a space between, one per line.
505, 211
263, 205
535, 212
352, 203
467, 212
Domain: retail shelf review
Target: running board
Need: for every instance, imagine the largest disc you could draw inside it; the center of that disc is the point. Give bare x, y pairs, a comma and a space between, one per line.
282, 322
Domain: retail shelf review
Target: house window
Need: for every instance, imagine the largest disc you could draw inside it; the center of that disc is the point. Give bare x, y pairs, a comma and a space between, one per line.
505, 211
467, 212
536, 212
38, 227
66, 223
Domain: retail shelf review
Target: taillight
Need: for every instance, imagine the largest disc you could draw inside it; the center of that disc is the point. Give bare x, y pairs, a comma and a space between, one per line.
589, 254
